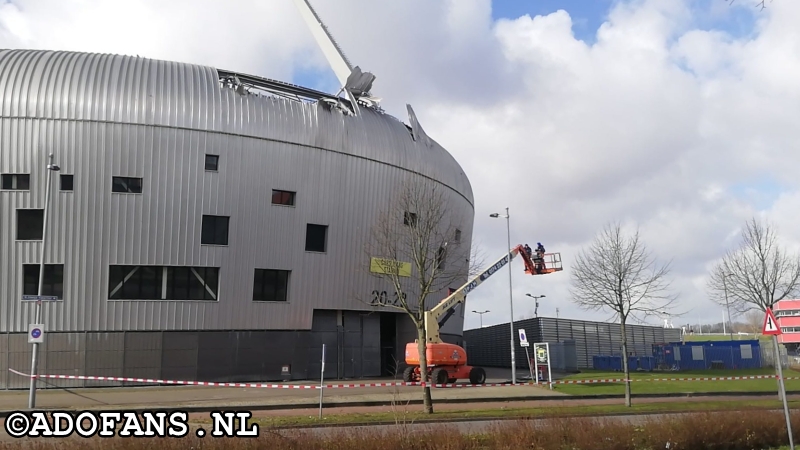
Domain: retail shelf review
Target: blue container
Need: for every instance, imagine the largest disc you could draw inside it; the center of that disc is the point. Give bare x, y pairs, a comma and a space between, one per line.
702, 355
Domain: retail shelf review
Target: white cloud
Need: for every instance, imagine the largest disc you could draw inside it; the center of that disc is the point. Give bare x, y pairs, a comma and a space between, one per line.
652, 123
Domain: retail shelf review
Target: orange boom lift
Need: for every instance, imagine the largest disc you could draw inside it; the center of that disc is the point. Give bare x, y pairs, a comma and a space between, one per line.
447, 363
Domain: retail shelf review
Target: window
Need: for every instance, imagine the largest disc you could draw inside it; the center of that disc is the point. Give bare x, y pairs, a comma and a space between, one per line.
409, 218
270, 285
53, 280
441, 255
16, 181
212, 162
29, 224
215, 230
316, 237
126, 185
457, 237
66, 182
162, 283
283, 197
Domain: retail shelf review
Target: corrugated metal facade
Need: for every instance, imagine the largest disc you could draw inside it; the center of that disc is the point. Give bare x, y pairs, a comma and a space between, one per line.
109, 115
490, 346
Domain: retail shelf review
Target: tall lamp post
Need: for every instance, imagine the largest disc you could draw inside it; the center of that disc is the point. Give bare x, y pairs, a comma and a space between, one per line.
510, 294
34, 355
481, 315
536, 297
727, 305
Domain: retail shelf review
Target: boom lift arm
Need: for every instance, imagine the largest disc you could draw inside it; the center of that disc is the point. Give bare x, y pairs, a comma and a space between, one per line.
449, 361
438, 315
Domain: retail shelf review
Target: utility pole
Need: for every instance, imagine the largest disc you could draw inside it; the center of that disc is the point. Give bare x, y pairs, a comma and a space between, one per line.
38, 314
510, 295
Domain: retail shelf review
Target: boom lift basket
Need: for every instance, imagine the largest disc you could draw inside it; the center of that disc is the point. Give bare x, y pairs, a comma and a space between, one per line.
550, 263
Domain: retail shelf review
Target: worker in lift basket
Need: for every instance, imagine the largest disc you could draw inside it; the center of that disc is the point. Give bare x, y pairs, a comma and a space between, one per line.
539, 260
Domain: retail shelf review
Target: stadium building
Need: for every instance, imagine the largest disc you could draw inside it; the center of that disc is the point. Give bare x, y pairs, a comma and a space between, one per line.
202, 224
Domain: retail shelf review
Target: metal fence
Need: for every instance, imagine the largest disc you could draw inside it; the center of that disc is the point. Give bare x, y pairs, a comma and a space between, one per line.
490, 346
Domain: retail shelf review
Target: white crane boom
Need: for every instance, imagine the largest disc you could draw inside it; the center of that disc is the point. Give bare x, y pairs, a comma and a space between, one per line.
333, 53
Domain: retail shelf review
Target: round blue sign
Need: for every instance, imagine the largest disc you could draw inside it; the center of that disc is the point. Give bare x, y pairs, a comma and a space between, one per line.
36, 333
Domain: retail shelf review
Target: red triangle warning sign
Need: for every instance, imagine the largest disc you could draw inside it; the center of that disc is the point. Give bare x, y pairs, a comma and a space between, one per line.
770, 324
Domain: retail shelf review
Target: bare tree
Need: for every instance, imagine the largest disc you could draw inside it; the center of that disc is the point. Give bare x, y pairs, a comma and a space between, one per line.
753, 320
422, 255
617, 273
756, 274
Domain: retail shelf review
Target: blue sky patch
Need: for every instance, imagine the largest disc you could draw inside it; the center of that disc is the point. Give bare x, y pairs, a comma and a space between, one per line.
587, 16
760, 192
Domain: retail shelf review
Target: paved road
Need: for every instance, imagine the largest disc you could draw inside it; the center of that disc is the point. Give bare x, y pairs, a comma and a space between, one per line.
144, 397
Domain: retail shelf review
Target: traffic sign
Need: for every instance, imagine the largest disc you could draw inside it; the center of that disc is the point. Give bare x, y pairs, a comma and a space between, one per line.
35, 333
523, 340
33, 298
770, 324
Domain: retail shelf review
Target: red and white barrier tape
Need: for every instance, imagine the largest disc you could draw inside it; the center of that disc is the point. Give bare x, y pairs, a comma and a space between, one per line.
368, 385
252, 385
622, 380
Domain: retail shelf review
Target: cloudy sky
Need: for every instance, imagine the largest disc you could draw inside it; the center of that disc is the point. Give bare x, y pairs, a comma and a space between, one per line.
673, 115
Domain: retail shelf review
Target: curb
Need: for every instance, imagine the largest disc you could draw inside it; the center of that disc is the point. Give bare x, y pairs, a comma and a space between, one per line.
203, 409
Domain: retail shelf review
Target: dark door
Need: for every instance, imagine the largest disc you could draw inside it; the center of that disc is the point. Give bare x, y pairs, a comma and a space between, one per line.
388, 344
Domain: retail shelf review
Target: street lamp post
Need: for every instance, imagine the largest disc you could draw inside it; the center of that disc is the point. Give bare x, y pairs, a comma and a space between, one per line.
510, 294
481, 315
34, 355
727, 305
536, 297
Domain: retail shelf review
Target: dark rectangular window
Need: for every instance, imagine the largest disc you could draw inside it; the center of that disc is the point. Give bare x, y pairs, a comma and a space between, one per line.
126, 185
212, 162
457, 237
29, 224
162, 283
53, 280
66, 182
214, 230
282, 197
441, 255
270, 285
316, 237
409, 218
16, 181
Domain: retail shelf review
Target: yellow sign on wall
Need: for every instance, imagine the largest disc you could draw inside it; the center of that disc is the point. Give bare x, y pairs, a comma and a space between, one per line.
390, 266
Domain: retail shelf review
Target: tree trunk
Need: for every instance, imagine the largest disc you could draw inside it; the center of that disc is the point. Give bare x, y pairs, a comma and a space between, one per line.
423, 368
625, 368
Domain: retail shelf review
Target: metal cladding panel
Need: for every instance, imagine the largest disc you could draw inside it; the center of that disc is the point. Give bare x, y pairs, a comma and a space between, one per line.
110, 115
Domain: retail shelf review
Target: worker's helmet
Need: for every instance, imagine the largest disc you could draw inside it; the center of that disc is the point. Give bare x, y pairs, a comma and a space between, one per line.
538, 243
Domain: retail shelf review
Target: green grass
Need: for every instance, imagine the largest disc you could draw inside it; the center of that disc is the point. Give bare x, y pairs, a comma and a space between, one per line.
675, 387
413, 413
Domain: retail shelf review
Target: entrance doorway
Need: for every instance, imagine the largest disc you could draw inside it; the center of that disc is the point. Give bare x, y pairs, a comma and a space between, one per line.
388, 344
